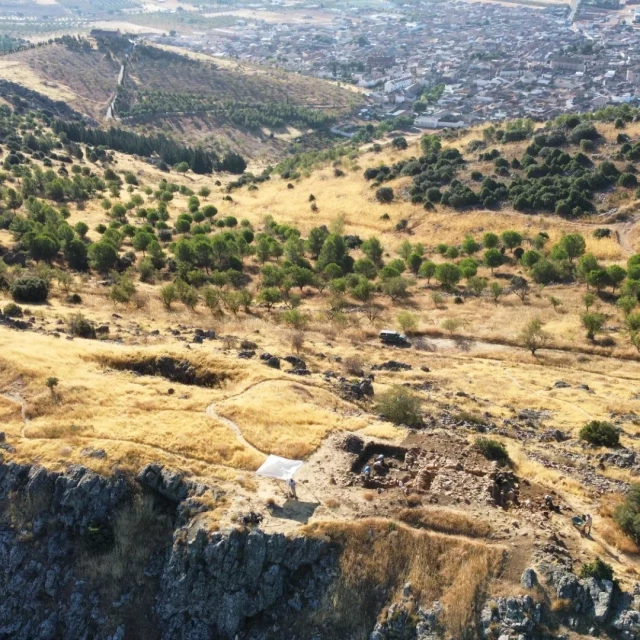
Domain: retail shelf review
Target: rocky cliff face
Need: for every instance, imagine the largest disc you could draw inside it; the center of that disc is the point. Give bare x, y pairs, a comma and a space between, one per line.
90, 557
86, 557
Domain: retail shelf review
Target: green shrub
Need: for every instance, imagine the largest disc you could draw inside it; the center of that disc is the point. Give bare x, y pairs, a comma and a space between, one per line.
30, 289
600, 434
12, 310
385, 194
492, 450
400, 406
627, 515
597, 569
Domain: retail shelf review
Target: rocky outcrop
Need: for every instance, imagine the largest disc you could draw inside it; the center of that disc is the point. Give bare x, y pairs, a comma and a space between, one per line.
406, 620
215, 585
43, 518
507, 617
590, 598
88, 557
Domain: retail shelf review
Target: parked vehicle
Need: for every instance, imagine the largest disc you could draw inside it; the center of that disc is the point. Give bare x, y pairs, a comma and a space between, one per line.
394, 338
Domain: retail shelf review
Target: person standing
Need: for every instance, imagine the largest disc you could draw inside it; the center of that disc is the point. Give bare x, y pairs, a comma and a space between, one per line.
588, 522
292, 489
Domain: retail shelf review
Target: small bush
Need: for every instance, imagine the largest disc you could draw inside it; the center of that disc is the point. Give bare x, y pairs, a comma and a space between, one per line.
597, 569
627, 514
30, 289
492, 450
79, 326
354, 366
385, 194
600, 434
400, 406
12, 310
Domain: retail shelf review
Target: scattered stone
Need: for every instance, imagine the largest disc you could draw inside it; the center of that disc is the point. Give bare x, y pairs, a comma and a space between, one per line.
355, 390
90, 452
391, 365
297, 363
624, 459
561, 384
553, 435
246, 355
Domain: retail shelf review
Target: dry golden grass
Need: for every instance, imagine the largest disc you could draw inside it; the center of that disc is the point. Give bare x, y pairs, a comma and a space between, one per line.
293, 428
131, 417
536, 472
445, 521
382, 556
610, 531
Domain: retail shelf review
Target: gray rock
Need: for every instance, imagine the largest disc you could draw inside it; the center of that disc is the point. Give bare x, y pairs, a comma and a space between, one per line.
627, 622
164, 481
90, 452
599, 594
529, 579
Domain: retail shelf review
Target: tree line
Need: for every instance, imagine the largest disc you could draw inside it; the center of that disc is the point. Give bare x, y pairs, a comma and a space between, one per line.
170, 152
248, 115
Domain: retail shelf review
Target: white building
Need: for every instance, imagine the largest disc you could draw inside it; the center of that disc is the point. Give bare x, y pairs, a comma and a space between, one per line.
398, 83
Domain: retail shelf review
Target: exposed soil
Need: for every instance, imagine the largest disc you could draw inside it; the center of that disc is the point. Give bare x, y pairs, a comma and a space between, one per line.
174, 370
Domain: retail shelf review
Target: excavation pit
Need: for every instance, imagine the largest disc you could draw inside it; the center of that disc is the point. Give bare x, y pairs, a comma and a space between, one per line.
393, 456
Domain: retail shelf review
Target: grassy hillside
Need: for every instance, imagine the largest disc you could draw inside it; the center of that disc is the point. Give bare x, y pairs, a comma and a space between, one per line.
140, 308
84, 78
218, 104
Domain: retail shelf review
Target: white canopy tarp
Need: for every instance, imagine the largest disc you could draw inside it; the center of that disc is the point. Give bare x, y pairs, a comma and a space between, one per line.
279, 468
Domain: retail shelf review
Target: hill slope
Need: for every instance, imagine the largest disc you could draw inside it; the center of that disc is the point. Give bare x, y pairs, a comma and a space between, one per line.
216, 104
203, 322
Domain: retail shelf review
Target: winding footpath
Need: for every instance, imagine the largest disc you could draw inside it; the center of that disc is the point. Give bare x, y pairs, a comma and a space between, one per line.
211, 412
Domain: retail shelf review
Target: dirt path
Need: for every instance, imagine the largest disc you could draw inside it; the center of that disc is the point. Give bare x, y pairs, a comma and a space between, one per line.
623, 231
211, 412
15, 397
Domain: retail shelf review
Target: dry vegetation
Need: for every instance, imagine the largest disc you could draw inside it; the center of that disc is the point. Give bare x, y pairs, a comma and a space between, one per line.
478, 369
380, 556
86, 80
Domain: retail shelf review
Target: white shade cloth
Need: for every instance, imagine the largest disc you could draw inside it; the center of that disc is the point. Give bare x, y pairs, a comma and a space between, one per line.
279, 468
